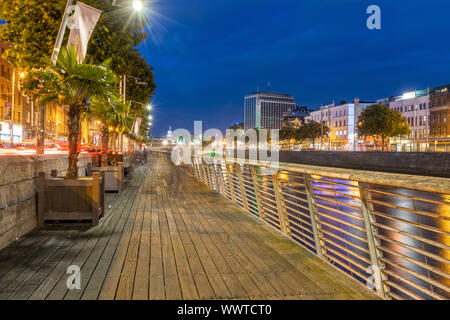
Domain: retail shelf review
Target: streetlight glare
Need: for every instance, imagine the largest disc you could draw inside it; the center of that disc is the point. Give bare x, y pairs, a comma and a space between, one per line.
149, 107
137, 5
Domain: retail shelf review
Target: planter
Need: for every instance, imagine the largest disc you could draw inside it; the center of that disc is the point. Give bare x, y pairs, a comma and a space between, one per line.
61, 199
113, 177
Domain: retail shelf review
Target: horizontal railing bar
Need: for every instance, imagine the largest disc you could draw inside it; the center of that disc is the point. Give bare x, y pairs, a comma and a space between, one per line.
352, 216
348, 251
301, 216
415, 274
407, 246
294, 190
341, 230
345, 266
422, 213
338, 202
334, 183
387, 193
348, 259
419, 263
410, 235
352, 196
414, 285
330, 234
296, 204
296, 198
403, 290
348, 224
300, 226
411, 223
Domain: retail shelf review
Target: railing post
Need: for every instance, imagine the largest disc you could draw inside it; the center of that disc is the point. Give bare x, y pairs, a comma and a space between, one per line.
257, 192
220, 177
313, 215
372, 240
281, 205
241, 184
230, 183
214, 178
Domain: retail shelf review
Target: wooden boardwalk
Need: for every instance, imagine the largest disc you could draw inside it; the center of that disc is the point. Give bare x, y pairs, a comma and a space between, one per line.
168, 237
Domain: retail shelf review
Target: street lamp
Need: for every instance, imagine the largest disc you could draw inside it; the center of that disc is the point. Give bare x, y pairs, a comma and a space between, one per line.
149, 107
137, 5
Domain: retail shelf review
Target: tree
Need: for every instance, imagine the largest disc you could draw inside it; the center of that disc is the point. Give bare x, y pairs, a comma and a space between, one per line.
76, 82
288, 133
32, 26
380, 120
312, 130
235, 127
106, 110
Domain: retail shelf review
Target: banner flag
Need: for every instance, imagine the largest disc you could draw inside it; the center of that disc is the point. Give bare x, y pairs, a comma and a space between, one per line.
137, 126
84, 21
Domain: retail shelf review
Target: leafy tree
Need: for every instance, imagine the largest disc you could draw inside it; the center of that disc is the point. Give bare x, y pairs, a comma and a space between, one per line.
76, 82
288, 133
380, 120
312, 130
32, 26
235, 127
107, 110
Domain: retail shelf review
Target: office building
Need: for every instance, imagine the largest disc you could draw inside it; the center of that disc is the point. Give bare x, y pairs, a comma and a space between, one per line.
440, 118
264, 110
342, 121
414, 106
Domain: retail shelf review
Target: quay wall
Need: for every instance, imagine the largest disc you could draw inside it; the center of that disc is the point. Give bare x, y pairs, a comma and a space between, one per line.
18, 190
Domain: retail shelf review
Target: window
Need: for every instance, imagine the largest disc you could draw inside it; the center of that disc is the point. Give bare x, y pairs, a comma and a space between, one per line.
424, 106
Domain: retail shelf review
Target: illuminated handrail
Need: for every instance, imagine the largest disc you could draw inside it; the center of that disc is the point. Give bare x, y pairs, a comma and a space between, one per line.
358, 221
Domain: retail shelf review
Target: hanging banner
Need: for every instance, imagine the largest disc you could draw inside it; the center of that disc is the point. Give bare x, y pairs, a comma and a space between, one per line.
84, 21
137, 126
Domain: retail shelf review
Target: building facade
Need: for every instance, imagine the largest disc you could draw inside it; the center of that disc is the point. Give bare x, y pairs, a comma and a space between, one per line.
414, 106
440, 119
20, 114
342, 122
264, 110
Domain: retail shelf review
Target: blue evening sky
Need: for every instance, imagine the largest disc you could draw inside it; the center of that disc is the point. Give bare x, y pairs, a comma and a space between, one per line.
208, 54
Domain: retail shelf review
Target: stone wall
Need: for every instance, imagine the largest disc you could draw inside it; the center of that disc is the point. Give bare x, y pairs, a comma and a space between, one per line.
421, 163
18, 187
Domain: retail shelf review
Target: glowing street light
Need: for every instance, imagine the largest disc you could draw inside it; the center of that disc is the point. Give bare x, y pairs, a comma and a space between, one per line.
149, 107
137, 5
150, 118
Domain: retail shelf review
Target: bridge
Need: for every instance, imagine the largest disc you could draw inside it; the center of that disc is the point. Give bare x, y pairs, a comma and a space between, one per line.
168, 236
225, 230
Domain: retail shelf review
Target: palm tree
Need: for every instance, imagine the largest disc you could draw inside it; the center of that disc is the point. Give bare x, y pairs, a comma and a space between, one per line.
104, 109
122, 119
78, 82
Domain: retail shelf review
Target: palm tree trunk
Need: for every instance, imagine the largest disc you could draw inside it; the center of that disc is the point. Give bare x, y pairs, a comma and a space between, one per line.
382, 143
74, 136
105, 142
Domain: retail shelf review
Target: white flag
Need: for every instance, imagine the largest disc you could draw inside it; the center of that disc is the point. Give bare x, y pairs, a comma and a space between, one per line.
137, 126
84, 21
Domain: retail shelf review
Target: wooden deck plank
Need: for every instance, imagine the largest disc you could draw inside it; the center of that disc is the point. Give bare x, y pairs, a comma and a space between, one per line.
142, 277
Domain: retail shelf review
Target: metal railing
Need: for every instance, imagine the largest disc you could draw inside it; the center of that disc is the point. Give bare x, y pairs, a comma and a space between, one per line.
391, 230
